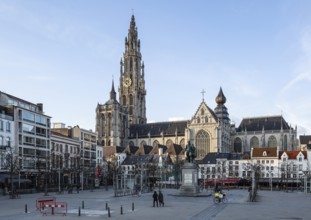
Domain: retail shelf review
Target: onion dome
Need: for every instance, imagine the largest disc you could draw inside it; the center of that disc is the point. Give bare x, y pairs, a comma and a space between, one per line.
221, 98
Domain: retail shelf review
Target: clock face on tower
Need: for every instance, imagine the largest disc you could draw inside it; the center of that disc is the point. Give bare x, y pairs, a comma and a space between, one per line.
127, 82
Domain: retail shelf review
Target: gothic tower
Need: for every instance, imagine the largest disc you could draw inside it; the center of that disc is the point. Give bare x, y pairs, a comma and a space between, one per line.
112, 122
132, 92
223, 127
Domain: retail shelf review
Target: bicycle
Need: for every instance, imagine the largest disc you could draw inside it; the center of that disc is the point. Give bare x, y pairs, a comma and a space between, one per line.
220, 198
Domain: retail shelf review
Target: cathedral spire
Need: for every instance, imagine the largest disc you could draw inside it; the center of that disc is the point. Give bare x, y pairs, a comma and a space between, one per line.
112, 92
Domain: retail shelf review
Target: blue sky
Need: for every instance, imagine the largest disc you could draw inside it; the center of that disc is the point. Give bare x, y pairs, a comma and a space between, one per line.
65, 54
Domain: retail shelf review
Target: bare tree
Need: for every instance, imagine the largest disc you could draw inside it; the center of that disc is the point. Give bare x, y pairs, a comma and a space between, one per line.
255, 169
12, 165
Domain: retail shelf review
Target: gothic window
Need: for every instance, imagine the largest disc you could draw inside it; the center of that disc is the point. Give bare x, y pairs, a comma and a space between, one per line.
169, 143
109, 142
131, 110
1, 125
109, 125
254, 142
131, 65
131, 99
206, 119
202, 111
272, 141
103, 125
131, 143
237, 145
155, 143
202, 141
1, 141
124, 100
285, 142
198, 120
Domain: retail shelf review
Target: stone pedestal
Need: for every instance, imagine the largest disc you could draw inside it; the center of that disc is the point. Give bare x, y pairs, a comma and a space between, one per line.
189, 185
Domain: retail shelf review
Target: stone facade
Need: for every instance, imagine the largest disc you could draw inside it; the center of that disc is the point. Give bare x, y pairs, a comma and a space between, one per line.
124, 123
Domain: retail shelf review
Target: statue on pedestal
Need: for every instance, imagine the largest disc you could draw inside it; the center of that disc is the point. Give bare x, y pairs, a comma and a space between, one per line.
190, 152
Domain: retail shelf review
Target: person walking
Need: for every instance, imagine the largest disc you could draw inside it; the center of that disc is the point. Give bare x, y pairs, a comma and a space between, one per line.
155, 199
161, 199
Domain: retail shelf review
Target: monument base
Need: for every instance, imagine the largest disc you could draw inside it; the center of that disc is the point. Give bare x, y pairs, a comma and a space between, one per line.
189, 185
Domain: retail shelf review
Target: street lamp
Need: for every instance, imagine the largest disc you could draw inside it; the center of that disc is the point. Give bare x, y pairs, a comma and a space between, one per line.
270, 175
305, 172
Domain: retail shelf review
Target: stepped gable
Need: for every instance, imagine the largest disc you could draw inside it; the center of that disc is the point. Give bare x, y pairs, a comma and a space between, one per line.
156, 129
268, 123
270, 152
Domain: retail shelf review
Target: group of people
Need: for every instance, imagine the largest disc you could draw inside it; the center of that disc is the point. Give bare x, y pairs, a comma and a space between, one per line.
158, 198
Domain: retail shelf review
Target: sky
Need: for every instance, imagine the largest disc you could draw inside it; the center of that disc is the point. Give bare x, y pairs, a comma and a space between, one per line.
65, 55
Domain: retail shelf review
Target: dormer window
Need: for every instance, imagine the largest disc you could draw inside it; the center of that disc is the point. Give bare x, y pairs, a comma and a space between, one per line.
300, 159
264, 154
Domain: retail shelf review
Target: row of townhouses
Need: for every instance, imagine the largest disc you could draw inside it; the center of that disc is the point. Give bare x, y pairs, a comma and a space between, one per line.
40, 151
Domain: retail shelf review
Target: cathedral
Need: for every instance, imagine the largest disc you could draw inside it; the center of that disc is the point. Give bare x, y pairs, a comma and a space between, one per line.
123, 122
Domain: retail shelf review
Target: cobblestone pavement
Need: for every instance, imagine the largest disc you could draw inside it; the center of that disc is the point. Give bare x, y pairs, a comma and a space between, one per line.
271, 205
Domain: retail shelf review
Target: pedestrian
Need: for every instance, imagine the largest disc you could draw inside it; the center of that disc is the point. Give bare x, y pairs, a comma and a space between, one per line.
161, 199
78, 188
155, 199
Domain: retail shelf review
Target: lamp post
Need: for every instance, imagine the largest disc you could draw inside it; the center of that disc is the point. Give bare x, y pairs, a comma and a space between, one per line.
270, 175
305, 181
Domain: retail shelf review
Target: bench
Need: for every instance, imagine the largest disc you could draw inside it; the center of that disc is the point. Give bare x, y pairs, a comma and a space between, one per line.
41, 202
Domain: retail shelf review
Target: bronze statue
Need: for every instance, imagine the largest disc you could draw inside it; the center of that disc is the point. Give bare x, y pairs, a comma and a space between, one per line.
190, 152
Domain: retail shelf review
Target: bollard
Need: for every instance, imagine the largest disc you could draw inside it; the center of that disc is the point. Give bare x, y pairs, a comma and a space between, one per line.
121, 210
79, 211
109, 212
82, 204
133, 206
26, 208
106, 205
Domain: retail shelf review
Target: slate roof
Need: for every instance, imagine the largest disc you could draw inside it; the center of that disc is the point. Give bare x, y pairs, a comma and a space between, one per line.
269, 123
305, 139
175, 149
145, 159
133, 149
147, 149
210, 158
155, 129
271, 152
